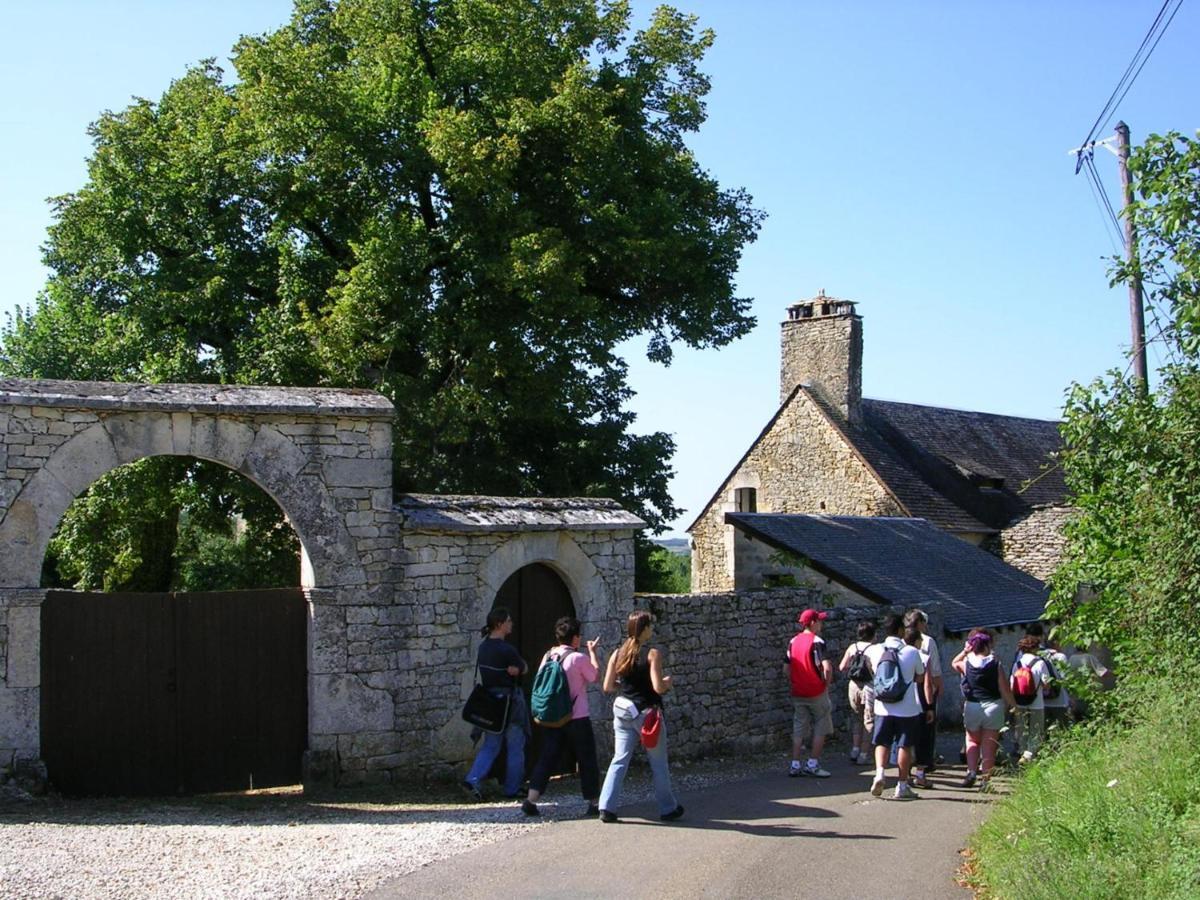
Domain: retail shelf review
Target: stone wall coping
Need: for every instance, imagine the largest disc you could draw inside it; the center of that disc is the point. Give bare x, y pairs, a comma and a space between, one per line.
466, 513
225, 399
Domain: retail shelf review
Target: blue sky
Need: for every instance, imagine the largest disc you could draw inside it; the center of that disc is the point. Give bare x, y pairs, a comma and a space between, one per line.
910, 156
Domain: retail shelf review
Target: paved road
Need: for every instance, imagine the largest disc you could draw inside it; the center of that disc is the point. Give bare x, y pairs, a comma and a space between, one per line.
769, 836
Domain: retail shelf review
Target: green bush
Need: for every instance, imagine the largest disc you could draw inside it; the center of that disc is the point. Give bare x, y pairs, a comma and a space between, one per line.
1114, 814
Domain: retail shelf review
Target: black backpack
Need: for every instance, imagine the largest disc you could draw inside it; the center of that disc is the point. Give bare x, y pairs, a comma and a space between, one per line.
860, 669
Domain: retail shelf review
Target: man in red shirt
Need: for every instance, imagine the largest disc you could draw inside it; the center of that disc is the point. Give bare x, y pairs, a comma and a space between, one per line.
810, 673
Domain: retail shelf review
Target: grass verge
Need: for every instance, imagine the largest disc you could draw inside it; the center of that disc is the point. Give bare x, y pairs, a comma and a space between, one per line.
1113, 813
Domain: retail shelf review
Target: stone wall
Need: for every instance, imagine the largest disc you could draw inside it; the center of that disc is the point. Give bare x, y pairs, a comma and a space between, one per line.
725, 654
1034, 544
802, 464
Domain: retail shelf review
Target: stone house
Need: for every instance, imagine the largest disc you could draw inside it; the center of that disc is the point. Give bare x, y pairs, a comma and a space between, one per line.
990, 480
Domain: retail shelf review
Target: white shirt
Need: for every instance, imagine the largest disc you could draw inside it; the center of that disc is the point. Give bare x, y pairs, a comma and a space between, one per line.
1040, 676
929, 646
1059, 661
910, 667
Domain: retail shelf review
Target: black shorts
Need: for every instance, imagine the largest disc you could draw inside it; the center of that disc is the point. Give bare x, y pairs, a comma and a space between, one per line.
904, 730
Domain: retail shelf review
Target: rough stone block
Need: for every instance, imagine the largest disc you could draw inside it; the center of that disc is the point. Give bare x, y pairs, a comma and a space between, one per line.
137, 435
83, 459
342, 704
25, 641
222, 440
19, 720
362, 473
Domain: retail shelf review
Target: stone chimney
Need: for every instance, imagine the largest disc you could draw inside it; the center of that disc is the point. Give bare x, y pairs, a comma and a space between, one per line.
821, 348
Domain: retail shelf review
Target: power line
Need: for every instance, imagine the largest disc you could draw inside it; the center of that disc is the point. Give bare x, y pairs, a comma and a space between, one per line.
1112, 227
1157, 29
1145, 60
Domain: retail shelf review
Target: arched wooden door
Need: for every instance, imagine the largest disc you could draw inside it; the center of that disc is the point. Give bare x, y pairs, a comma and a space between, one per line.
537, 598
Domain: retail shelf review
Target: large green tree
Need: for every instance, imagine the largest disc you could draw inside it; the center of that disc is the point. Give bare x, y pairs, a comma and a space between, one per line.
468, 205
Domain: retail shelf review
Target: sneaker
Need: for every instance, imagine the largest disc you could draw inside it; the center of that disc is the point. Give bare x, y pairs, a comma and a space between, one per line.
968, 782
877, 786
854, 757
472, 791
530, 808
607, 817
815, 772
1026, 758
904, 792
592, 811
985, 785
795, 770
673, 814
922, 781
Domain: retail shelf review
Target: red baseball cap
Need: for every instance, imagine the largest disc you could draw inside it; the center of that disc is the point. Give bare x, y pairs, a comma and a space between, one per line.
808, 615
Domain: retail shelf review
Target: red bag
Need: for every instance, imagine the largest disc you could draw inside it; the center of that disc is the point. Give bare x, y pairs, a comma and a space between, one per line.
651, 728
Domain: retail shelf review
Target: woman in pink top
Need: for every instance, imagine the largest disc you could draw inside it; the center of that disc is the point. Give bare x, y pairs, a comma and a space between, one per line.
581, 669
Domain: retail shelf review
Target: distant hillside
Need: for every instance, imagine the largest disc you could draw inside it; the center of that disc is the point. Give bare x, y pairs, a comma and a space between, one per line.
675, 545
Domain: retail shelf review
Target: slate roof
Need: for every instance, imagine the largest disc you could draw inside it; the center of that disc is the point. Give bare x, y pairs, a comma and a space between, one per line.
905, 562
964, 471
469, 513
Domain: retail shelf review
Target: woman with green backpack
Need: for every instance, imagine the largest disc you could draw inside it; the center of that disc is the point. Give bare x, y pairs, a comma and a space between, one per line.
576, 670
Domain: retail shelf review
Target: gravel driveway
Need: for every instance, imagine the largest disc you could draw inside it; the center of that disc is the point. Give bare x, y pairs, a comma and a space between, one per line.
269, 843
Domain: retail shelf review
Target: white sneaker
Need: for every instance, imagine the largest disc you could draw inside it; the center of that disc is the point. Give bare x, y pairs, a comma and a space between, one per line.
877, 786
815, 772
904, 792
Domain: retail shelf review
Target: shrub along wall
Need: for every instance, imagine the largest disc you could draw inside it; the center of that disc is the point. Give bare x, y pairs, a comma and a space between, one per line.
725, 653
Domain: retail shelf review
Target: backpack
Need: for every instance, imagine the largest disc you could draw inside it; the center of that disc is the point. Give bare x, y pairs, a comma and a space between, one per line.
551, 701
889, 683
1024, 683
860, 669
1052, 689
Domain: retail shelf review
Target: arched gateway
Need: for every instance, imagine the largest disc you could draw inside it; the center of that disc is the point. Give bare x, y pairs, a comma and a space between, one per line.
324, 456
395, 588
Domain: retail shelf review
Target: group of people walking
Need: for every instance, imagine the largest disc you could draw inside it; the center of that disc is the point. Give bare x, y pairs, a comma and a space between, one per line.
894, 686
634, 673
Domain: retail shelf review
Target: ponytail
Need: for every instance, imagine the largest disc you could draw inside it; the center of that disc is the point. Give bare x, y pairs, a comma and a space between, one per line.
627, 654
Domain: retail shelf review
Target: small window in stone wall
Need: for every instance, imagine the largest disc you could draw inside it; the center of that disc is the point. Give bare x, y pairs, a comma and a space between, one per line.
745, 500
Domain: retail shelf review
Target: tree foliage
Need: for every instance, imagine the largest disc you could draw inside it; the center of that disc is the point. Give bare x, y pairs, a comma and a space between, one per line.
1132, 458
661, 571
468, 205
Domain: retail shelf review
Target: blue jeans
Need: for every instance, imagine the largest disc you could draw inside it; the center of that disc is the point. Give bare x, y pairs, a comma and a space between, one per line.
628, 734
514, 738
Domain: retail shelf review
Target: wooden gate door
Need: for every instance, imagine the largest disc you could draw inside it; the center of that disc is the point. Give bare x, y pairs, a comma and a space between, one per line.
173, 693
537, 598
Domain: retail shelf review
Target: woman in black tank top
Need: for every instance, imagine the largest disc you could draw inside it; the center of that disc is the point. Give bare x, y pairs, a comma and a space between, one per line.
637, 670
986, 695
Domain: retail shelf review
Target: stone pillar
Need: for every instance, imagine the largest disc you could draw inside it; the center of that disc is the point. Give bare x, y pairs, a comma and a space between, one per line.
20, 675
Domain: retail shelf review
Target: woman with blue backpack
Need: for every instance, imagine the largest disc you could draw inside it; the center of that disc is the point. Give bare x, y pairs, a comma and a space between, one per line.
560, 709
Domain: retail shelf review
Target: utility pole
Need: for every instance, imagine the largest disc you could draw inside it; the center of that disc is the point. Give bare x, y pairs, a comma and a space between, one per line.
1137, 313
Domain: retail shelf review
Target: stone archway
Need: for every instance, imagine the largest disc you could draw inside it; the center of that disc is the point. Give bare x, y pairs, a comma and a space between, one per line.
324, 456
